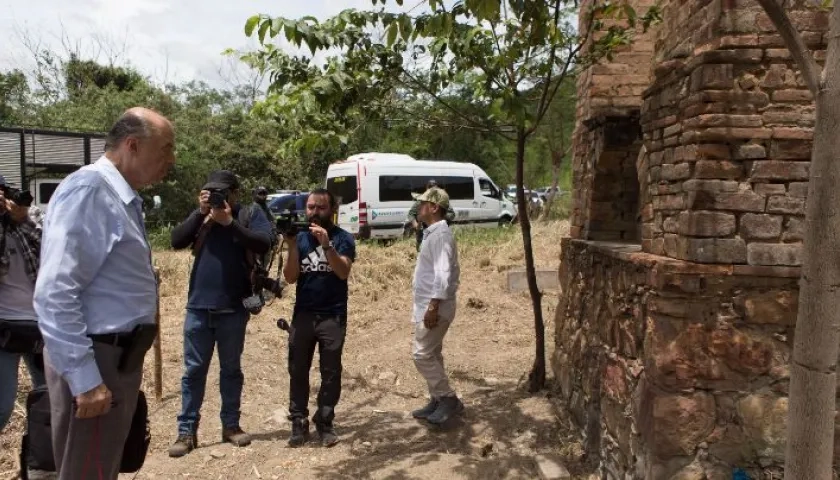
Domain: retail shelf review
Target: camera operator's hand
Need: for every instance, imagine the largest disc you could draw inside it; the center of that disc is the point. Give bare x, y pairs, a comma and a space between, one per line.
18, 213
320, 234
204, 202
222, 216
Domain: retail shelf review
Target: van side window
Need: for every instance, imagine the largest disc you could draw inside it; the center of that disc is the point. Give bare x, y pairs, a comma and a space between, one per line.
398, 188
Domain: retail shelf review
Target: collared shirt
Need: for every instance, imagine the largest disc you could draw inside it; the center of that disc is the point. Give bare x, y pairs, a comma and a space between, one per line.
96, 273
28, 235
437, 272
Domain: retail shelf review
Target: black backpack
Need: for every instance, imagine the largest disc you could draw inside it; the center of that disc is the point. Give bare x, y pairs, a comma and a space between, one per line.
36, 451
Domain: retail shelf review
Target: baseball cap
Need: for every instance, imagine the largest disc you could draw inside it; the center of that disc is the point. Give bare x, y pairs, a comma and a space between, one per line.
435, 195
221, 179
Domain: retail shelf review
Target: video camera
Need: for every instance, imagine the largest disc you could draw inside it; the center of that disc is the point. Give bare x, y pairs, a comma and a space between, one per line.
290, 223
261, 281
22, 198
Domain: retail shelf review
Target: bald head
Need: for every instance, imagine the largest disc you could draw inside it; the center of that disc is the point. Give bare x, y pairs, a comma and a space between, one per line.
141, 144
136, 122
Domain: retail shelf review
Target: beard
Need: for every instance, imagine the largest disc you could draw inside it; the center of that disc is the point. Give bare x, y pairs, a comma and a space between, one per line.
324, 221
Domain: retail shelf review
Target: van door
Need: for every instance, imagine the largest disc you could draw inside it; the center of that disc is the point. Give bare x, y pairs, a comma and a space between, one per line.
42, 190
490, 202
345, 189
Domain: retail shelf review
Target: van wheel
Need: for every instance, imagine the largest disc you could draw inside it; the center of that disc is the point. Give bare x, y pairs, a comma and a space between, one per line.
505, 221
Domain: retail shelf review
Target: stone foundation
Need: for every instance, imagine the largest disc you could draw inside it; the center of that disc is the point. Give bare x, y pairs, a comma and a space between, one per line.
674, 369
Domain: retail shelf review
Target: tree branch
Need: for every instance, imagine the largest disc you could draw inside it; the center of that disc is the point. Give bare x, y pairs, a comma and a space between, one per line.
795, 43
449, 107
541, 106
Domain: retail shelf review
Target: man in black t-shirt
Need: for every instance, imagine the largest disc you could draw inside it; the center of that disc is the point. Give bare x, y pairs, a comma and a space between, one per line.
319, 261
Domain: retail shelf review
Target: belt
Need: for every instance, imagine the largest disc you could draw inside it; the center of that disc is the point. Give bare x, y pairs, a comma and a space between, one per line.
121, 339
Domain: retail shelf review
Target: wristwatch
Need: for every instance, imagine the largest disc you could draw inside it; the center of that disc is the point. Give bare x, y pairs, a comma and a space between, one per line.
330, 246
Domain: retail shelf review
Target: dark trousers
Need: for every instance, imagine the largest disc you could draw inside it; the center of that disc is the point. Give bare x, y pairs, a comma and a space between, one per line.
327, 332
92, 448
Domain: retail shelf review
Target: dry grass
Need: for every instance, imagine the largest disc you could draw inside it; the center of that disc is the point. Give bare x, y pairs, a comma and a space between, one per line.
491, 341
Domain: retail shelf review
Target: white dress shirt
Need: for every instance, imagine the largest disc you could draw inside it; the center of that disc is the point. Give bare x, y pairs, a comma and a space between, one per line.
437, 273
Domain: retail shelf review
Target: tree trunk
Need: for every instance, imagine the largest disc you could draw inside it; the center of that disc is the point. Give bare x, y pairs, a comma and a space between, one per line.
556, 163
536, 379
813, 384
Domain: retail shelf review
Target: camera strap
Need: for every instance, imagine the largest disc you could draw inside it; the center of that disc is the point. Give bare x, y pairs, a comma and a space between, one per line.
201, 235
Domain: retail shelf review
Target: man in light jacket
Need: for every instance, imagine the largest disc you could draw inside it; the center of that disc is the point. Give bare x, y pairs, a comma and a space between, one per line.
436, 280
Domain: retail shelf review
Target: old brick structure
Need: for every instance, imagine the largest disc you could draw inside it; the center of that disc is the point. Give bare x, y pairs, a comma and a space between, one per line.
675, 324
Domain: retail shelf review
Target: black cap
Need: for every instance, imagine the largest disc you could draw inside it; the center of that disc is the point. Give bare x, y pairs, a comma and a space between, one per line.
261, 191
221, 179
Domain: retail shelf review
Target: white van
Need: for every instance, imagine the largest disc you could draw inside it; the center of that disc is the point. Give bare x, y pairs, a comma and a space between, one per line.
374, 192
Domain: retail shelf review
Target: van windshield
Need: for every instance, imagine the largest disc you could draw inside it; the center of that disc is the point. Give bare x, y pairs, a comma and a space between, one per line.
343, 188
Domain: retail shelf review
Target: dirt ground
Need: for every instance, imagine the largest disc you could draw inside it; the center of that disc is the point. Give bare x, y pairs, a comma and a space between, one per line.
489, 348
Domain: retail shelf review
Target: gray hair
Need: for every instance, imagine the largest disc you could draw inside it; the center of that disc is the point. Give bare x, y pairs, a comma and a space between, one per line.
130, 124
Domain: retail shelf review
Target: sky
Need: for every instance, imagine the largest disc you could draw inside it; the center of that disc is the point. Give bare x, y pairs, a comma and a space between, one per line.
168, 40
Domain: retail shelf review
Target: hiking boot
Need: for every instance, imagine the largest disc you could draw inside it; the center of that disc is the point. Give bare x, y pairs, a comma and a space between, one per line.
236, 436
448, 407
423, 413
300, 432
183, 445
326, 433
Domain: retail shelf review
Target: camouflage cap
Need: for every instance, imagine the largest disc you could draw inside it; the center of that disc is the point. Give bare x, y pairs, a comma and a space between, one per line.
435, 195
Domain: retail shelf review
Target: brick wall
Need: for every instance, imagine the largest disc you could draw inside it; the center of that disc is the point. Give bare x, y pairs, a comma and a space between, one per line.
607, 92
727, 126
675, 369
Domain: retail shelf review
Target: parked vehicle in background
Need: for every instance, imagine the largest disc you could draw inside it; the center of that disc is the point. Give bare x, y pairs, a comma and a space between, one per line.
294, 202
374, 191
37, 160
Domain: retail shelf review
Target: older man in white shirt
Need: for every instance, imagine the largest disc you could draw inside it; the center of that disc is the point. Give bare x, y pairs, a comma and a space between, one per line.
435, 286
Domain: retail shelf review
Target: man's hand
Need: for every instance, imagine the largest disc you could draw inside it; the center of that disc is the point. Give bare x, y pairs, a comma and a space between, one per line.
204, 202
430, 319
94, 403
222, 216
320, 234
18, 213
3, 203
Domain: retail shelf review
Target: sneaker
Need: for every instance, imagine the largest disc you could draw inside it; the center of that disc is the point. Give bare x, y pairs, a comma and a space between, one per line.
184, 445
236, 436
423, 413
448, 408
327, 435
300, 432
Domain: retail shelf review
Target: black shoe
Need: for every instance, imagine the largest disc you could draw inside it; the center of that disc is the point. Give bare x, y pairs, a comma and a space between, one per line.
183, 445
423, 413
326, 433
300, 432
448, 408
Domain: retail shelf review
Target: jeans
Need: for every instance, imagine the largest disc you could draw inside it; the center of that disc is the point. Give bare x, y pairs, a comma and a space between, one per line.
9, 380
203, 330
327, 332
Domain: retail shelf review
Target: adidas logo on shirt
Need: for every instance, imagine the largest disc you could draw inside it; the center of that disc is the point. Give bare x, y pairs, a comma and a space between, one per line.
316, 261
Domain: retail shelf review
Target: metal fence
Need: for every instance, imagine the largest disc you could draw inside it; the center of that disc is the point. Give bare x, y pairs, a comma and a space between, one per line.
30, 153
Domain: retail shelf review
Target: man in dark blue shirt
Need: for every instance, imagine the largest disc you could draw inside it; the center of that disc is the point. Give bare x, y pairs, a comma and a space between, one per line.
224, 239
319, 261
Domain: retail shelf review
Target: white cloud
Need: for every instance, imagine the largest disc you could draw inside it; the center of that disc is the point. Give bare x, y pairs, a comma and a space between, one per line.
169, 40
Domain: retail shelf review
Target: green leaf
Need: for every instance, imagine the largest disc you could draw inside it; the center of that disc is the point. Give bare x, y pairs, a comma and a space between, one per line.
251, 24
263, 29
392, 34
